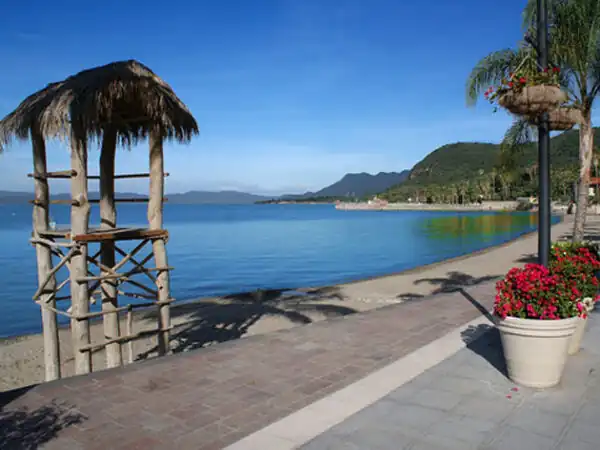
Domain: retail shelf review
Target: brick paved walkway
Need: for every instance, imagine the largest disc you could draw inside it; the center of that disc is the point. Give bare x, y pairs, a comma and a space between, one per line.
212, 397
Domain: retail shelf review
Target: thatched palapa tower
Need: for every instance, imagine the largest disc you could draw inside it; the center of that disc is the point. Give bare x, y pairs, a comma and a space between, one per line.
119, 103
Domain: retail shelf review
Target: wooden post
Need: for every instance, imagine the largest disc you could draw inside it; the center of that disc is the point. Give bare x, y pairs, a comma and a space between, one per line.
155, 220
80, 214
129, 327
41, 222
108, 219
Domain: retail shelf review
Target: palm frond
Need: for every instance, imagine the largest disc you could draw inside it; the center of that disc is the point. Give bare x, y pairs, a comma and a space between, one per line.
491, 70
575, 38
520, 133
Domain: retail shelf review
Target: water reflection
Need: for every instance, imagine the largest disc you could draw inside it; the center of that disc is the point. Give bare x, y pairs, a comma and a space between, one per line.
476, 226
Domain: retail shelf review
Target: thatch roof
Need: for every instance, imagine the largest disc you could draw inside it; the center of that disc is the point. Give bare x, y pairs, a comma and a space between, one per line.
125, 95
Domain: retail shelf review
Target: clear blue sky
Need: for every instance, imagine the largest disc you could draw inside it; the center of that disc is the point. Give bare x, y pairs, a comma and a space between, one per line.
289, 94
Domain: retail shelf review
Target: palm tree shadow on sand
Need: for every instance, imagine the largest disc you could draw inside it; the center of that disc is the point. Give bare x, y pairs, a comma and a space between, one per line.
454, 282
233, 316
483, 339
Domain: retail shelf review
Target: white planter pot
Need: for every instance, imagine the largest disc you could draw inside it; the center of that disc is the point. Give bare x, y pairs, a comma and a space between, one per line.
536, 350
575, 343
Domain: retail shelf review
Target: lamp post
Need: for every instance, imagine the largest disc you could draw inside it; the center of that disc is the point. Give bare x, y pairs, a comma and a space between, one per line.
544, 212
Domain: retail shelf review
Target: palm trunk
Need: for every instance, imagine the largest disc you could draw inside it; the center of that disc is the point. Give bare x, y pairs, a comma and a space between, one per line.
586, 144
596, 187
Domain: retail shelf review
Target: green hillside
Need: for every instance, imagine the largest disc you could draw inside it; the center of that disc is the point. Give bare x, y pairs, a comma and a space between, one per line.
462, 171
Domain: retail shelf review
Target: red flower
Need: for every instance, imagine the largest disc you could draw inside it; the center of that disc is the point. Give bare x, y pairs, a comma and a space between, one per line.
551, 293
510, 84
555, 69
522, 80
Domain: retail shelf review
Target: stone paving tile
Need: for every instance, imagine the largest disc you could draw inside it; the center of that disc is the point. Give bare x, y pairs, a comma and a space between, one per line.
466, 402
515, 438
212, 397
543, 423
468, 430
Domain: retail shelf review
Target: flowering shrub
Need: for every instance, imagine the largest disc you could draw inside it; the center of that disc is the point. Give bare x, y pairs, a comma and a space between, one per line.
516, 81
577, 262
572, 248
533, 292
568, 288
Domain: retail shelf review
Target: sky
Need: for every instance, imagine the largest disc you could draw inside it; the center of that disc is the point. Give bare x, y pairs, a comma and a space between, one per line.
289, 95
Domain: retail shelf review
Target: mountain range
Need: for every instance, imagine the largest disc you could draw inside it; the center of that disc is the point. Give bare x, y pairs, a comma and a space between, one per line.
351, 185
355, 185
454, 164
192, 197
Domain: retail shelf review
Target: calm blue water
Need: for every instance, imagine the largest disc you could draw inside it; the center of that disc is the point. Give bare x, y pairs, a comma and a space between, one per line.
220, 250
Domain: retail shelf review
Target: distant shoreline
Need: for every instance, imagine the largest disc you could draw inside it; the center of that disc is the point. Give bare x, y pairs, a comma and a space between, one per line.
292, 202
375, 206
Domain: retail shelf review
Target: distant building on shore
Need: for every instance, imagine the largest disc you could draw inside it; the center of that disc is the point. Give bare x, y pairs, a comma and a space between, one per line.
376, 201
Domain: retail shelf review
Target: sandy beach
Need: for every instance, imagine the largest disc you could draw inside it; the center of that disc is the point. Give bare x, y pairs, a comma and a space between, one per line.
210, 321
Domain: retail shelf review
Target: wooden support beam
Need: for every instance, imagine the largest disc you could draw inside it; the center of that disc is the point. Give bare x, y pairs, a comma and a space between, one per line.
47, 307
126, 175
95, 314
108, 220
65, 201
137, 284
155, 220
137, 264
50, 275
118, 276
47, 175
137, 295
94, 347
80, 214
113, 270
41, 221
129, 331
49, 243
108, 276
129, 255
54, 202
121, 236
126, 200
53, 296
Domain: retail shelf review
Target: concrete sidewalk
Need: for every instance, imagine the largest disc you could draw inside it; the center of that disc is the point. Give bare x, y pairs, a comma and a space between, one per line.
466, 402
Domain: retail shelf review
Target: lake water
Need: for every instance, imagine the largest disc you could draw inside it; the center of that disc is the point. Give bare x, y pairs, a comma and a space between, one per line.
220, 249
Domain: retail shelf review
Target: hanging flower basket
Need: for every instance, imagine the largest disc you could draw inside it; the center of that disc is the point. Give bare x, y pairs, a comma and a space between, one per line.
528, 91
560, 119
532, 100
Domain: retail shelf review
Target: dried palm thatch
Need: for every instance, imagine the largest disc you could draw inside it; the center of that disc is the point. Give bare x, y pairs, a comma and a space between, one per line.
532, 100
125, 96
560, 119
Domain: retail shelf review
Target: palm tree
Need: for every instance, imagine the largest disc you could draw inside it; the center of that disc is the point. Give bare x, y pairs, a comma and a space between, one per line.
575, 48
596, 163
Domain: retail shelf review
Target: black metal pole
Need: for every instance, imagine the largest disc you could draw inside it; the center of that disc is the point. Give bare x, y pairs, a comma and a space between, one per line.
544, 211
